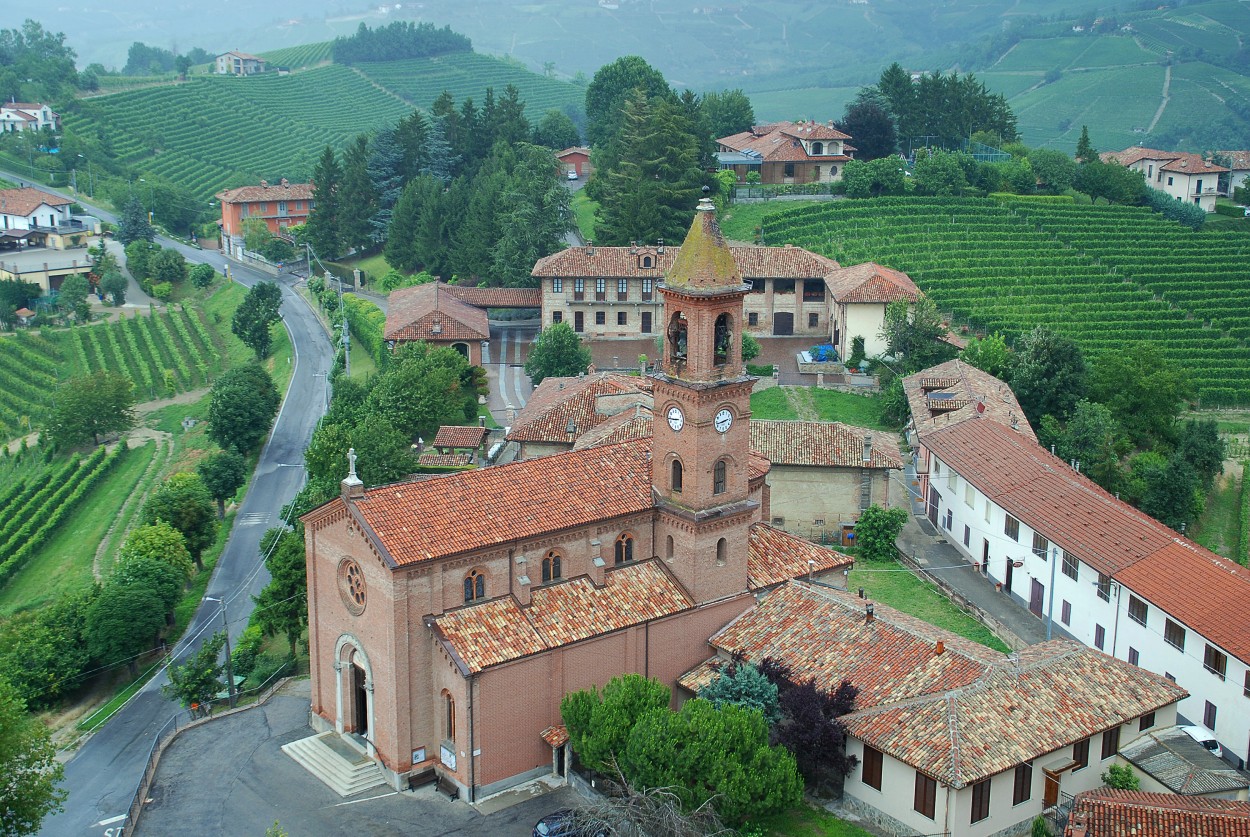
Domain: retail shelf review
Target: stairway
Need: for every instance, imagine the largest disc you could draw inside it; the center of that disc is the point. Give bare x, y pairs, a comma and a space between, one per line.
337, 763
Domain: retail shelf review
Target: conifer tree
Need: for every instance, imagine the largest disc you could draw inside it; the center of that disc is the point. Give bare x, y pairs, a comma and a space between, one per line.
322, 226
357, 200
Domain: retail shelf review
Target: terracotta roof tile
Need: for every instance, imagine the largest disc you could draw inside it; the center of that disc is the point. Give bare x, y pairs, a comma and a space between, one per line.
960, 382
419, 520
561, 409
430, 459
779, 142
953, 709
497, 297
1118, 813
272, 192
870, 282
1184, 162
432, 312
556, 735
616, 262
456, 436
1238, 160
625, 426
573, 149
774, 556
823, 444
26, 200
493, 632
758, 466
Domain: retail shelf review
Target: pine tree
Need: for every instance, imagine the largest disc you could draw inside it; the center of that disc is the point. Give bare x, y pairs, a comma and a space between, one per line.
357, 200
410, 135
386, 174
134, 224
1085, 151
441, 159
322, 226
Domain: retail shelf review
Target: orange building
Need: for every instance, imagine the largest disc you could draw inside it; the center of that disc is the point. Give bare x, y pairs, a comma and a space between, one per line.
281, 206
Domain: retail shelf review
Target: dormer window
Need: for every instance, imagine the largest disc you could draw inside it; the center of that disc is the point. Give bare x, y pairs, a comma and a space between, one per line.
818, 148
646, 261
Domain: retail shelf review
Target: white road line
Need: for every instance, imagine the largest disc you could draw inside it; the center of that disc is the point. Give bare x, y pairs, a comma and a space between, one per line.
110, 821
366, 799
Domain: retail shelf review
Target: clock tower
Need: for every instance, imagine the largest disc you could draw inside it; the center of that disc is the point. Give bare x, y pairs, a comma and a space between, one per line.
701, 441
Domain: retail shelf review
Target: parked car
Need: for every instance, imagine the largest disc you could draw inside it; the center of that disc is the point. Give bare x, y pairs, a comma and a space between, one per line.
563, 823
1206, 738
572, 175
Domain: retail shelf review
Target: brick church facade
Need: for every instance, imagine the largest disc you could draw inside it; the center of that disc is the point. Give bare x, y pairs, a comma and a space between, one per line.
449, 616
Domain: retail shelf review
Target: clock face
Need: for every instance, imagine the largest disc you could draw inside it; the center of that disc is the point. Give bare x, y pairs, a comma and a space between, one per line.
724, 420
676, 419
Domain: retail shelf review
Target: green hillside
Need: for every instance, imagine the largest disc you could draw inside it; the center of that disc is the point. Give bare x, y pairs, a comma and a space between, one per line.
298, 57
1106, 276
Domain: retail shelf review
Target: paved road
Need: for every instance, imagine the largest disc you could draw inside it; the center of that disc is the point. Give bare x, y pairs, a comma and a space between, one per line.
102, 776
510, 387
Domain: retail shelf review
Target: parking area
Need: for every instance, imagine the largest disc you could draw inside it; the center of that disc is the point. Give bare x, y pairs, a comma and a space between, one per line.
230, 776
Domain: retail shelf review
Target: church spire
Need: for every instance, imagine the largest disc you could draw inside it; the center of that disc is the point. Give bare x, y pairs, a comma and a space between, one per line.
705, 263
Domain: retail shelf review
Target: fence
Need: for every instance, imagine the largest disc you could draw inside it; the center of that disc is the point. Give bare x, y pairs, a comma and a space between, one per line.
181, 720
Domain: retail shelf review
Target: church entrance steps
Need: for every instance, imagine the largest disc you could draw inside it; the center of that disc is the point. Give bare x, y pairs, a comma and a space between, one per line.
334, 761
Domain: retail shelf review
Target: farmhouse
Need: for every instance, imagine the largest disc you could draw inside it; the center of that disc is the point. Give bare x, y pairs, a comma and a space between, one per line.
860, 294
787, 152
280, 206
979, 740
1183, 175
436, 646
239, 64
1092, 567
27, 116
606, 292
1112, 813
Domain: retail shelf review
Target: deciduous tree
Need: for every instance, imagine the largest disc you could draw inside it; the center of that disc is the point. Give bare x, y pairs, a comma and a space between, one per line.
255, 315
876, 531
159, 541
115, 285
989, 354
282, 607
867, 119
913, 331
614, 83
122, 623
72, 298
90, 406
242, 406
198, 680
183, 502
223, 474
1049, 375
557, 353
31, 774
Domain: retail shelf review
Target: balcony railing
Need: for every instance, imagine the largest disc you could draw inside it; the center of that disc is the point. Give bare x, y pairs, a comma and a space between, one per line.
1198, 193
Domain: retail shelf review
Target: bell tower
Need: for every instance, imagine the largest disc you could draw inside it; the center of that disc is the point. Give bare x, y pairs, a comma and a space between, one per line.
701, 438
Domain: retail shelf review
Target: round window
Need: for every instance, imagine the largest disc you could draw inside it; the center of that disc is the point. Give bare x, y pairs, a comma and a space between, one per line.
352, 586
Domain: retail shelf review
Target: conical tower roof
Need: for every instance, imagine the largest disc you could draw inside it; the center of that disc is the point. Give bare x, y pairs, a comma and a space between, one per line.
705, 263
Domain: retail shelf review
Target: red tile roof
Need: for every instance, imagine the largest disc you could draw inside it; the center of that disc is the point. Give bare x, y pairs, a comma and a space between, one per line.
561, 403
455, 436
774, 556
870, 282
780, 141
497, 297
430, 459
823, 444
752, 262
625, 426
420, 520
26, 200
556, 735
1118, 813
493, 632
272, 192
1184, 162
959, 382
951, 708
432, 312
1237, 160
574, 149
758, 466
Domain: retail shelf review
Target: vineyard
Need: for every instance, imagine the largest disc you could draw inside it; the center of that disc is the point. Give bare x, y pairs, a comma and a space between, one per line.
296, 57
1107, 277
170, 351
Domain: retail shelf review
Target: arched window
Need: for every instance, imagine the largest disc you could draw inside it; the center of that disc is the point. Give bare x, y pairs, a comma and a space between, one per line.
677, 336
551, 566
474, 586
624, 549
668, 548
722, 548
818, 148
647, 261
676, 476
462, 348
718, 477
449, 716
723, 339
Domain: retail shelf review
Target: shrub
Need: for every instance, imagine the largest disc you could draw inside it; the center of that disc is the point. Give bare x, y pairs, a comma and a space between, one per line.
163, 290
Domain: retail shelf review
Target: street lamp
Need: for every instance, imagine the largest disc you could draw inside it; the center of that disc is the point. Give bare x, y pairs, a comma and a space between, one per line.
149, 203
225, 624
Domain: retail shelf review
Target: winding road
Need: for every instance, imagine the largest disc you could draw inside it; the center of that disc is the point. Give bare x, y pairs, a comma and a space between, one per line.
103, 774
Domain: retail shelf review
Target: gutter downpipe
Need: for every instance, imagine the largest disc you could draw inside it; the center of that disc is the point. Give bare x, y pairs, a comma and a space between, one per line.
472, 747
947, 827
1050, 602
1115, 630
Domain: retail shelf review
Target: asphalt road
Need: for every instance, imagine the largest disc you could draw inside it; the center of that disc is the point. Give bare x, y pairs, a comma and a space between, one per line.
102, 776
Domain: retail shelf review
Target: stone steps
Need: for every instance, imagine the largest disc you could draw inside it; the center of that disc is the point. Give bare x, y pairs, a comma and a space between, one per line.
336, 763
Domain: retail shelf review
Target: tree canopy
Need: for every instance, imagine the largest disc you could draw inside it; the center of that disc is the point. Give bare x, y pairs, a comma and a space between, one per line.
282, 607
1049, 375
31, 774
198, 680
944, 108
183, 502
611, 86
159, 541
134, 225
242, 406
88, 407
255, 315
123, 622
396, 41
223, 474
557, 353
913, 332
876, 531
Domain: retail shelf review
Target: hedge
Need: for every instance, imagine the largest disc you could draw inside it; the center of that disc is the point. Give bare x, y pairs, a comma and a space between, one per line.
1231, 210
367, 324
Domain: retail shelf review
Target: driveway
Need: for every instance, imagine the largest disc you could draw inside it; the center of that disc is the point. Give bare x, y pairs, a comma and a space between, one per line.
230, 776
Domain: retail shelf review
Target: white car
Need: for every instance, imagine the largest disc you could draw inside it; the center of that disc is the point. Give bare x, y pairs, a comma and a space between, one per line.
572, 175
1206, 738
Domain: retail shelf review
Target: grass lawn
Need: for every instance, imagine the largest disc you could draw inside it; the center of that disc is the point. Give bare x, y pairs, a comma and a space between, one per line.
894, 585
363, 365
738, 223
584, 214
830, 405
1216, 529
806, 821
376, 266
65, 563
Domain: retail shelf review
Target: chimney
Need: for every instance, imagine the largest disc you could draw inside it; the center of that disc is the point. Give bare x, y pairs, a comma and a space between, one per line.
660, 247
869, 618
940, 648
523, 587
597, 563
590, 248
867, 448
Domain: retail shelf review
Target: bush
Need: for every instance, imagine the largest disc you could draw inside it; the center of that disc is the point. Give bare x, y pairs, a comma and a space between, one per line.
202, 275
1182, 212
163, 291
1231, 210
246, 651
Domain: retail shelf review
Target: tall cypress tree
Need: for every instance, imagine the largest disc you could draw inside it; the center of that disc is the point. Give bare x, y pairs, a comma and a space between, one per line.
357, 200
322, 227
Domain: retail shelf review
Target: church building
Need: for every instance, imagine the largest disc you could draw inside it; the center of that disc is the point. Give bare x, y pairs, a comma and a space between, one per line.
448, 616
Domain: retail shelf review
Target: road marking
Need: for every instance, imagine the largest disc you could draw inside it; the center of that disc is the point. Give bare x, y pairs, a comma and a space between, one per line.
110, 821
253, 519
367, 799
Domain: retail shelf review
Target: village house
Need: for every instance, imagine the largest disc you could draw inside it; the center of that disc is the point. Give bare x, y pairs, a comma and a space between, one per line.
239, 64
280, 206
40, 240
1238, 168
1106, 812
606, 292
824, 474
1089, 565
1170, 760
951, 737
27, 116
576, 160
859, 295
431, 312
787, 152
1181, 174
448, 616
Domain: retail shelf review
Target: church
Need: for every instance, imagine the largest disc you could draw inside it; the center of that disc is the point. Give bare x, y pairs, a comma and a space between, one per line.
448, 616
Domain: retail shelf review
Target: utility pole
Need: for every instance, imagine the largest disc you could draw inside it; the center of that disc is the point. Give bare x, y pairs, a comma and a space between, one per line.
225, 624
